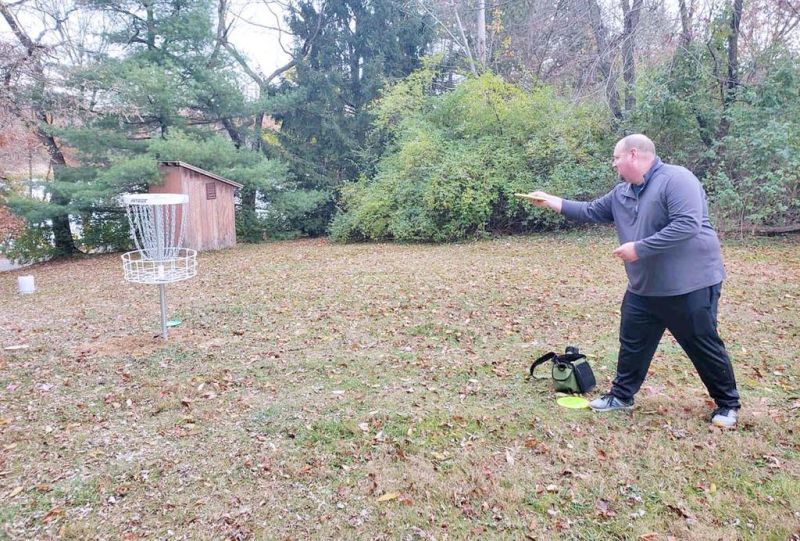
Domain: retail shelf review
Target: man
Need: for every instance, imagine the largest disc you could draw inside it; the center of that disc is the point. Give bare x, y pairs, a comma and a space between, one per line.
674, 265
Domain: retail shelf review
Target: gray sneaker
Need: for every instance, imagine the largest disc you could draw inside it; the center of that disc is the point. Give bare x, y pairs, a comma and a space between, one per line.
609, 402
724, 417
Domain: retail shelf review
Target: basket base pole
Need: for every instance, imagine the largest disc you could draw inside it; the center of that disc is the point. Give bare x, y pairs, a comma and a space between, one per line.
163, 297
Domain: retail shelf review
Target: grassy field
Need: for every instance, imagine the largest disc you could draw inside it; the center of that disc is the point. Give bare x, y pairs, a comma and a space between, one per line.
378, 392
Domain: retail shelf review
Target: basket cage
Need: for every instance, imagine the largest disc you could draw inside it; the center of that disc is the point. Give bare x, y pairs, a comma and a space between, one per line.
157, 223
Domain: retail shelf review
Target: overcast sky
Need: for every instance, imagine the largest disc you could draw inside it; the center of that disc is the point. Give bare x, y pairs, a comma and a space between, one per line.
250, 36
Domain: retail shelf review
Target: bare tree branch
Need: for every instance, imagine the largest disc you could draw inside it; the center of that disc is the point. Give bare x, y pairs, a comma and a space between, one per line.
464, 39
262, 81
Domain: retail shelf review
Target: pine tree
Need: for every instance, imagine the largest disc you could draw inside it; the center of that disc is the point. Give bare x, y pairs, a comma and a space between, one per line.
362, 45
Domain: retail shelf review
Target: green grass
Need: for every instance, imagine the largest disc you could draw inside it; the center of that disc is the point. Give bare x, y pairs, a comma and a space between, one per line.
378, 392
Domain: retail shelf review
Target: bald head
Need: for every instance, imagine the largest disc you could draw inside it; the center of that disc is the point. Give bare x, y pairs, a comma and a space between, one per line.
640, 142
633, 156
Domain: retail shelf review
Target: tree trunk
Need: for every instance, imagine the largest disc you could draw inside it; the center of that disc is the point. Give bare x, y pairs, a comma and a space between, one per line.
481, 24
151, 31
733, 53
631, 21
258, 143
233, 133
686, 23
703, 127
605, 59
62, 234
732, 79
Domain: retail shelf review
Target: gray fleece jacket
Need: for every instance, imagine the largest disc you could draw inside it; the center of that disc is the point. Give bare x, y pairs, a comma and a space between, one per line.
678, 250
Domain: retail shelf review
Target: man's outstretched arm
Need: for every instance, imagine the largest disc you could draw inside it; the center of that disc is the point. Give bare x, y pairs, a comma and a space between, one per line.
597, 211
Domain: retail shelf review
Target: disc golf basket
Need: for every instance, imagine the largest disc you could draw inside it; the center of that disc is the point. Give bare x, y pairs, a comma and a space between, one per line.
157, 225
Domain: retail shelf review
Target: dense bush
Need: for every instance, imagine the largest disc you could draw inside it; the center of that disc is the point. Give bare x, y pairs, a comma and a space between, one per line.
455, 160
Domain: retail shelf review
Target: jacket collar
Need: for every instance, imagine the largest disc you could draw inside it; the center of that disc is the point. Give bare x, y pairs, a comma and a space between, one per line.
657, 164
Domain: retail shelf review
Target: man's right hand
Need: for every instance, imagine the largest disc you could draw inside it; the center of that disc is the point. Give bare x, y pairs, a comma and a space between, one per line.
546, 200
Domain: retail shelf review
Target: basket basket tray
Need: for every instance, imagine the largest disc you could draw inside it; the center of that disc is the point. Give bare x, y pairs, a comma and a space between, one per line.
180, 264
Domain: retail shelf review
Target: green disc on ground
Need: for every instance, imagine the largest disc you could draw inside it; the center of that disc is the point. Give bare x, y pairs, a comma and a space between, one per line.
574, 402
173, 322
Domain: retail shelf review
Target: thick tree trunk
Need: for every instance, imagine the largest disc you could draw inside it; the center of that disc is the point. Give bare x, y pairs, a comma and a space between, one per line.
62, 233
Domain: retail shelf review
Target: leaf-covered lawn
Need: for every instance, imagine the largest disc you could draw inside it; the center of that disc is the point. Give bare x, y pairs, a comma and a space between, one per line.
378, 392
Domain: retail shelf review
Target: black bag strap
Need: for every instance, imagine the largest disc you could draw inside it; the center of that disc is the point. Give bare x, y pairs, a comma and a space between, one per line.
570, 356
541, 360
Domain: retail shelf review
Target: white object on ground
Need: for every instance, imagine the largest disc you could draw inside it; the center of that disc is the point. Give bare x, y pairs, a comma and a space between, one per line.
25, 284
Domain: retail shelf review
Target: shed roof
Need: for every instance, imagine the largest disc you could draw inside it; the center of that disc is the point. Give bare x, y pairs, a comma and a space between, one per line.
203, 172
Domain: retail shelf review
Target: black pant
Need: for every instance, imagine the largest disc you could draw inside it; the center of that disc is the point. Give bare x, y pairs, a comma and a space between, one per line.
692, 320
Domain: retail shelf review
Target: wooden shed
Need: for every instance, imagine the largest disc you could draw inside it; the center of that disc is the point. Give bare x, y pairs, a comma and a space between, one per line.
210, 223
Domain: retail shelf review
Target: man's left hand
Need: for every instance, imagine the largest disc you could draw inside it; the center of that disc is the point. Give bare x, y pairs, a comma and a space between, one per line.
627, 252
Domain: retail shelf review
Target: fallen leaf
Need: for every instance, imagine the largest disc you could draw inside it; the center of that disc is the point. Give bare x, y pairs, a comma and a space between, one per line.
604, 510
389, 496
14, 492
53, 514
682, 512
532, 443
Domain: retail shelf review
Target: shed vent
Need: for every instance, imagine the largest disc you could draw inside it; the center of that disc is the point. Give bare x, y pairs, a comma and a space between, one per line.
211, 190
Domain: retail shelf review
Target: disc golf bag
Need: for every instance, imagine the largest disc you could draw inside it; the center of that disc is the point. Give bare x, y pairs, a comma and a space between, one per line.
571, 372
